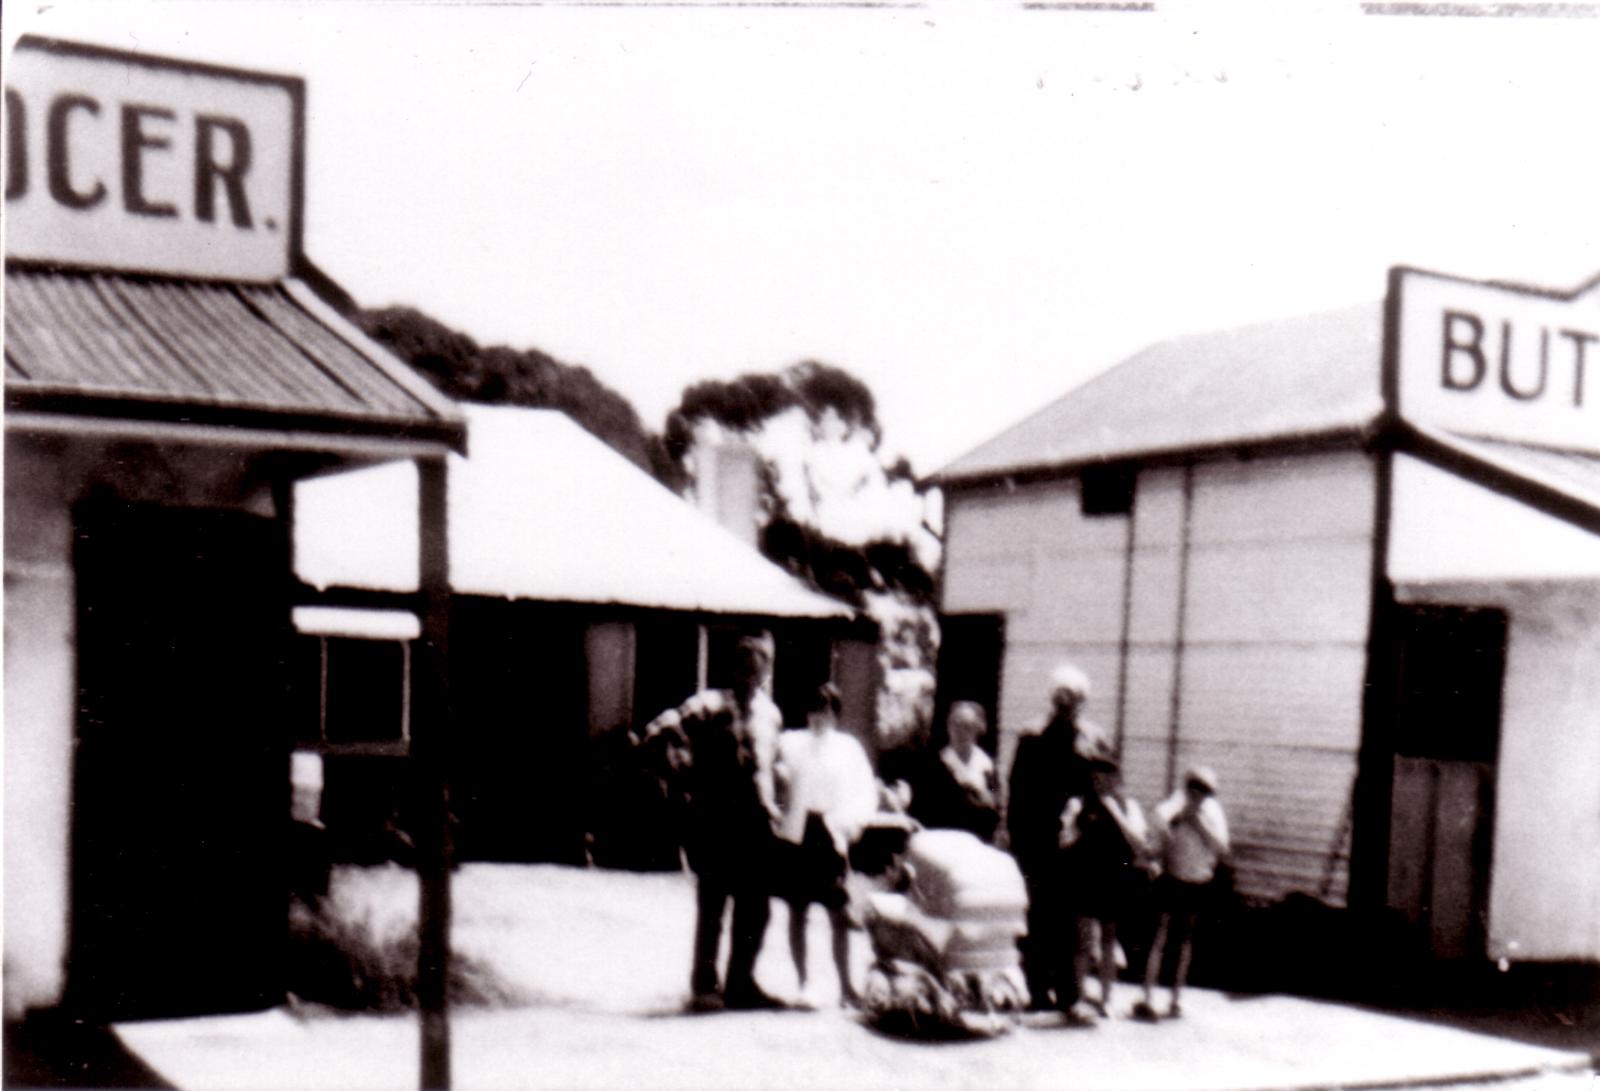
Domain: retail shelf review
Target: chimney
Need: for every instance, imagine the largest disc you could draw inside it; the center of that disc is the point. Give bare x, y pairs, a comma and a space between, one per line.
729, 487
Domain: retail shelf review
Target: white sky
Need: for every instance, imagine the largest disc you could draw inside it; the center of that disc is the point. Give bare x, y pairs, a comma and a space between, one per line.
972, 206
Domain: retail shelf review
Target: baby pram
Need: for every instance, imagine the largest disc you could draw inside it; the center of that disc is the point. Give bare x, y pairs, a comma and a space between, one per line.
945, 940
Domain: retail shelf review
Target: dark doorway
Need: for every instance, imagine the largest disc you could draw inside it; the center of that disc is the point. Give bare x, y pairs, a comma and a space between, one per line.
181, 802
1451, 667
520, 682
971, 651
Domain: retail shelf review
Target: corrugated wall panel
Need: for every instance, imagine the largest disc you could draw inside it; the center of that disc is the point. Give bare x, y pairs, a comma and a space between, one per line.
1274, 695
1158, 508
1148, 713
988, 583
1076, 597
1290, 498
1047, 515
1156, 579
987, 524
1287, 591
1144, 770
1067, 529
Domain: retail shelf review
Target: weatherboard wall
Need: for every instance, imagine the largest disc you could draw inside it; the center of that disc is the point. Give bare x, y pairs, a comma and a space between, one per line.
1544, 893
1224, 622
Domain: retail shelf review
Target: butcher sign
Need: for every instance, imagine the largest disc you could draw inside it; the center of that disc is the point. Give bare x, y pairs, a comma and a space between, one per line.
1496, 361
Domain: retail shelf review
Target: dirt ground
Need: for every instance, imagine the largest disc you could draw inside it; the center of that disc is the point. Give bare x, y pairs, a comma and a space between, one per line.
597, 965
592, 968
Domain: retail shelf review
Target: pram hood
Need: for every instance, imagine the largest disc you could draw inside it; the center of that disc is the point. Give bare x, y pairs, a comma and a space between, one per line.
955, 876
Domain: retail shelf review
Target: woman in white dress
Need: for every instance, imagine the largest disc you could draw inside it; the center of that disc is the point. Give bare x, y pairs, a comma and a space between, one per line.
829, 792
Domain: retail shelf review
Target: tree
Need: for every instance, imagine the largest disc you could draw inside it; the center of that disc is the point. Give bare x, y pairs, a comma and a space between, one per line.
835, 512
499, 375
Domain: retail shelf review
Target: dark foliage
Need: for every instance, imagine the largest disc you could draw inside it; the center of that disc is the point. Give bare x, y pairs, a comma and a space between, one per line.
497, 375
746, 404
847, 571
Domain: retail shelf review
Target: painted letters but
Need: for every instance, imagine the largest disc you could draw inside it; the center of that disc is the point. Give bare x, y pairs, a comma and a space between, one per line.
1464, 364
1496, 362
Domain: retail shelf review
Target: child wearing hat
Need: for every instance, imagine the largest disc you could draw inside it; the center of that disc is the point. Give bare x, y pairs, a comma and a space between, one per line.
1191, 833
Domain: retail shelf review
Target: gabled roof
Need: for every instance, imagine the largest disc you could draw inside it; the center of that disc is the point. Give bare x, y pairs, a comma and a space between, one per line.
1299, 378
161, 349
542, 510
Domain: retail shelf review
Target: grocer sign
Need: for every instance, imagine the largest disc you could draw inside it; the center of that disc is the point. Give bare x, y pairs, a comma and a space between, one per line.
1496, 361
123, 161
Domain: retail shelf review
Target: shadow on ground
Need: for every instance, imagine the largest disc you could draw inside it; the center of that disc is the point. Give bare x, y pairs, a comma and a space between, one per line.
51, 1049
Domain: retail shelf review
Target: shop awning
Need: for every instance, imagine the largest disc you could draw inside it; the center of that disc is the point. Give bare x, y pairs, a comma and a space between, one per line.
165, 352
1561, 483
1469, 510
542, 510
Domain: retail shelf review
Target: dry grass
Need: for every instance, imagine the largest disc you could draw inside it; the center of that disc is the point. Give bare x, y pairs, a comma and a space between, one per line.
360, 951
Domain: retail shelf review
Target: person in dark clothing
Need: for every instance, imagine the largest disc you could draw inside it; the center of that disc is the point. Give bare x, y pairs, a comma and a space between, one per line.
963, 787
1049, 768
716, 753
1107, 844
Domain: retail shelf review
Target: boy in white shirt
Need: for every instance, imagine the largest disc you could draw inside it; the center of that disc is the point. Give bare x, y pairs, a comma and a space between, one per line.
1192, 830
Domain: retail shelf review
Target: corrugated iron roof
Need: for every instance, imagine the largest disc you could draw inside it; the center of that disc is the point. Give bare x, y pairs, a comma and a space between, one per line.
135, 346
542, 510
1296, 378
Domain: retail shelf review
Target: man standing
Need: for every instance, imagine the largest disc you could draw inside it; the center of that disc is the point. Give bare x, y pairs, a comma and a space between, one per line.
1050, 767
717, 752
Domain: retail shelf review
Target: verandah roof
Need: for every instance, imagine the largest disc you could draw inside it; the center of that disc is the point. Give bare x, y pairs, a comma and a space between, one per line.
162, 349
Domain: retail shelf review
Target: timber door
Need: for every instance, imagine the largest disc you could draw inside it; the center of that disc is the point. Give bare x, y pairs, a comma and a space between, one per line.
179, 899
1451, 668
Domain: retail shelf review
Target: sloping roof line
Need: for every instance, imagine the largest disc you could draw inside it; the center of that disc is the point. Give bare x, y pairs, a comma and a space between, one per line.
542, 510
1295, 379
116, 345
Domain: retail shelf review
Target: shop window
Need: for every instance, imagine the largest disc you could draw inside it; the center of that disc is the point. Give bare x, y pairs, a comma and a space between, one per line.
1108, 490
722, 652
666, 657
356, 695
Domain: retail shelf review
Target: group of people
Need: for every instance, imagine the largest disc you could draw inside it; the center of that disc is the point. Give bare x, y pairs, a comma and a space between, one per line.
772, 813
1091, 859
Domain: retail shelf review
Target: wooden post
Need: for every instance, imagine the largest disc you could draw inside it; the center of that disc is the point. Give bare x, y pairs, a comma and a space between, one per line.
430, 740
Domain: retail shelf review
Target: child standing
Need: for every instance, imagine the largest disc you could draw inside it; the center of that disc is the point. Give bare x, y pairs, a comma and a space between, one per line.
1106, 842
1192, 831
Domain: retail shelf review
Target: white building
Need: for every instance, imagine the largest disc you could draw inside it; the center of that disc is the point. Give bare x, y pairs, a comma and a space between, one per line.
1357, 573
172, 368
